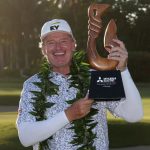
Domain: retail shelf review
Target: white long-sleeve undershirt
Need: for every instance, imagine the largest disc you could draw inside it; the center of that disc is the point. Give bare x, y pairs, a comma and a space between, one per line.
29, 132
130, 109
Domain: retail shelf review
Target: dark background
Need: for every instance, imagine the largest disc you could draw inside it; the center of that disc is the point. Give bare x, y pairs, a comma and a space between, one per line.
21, 22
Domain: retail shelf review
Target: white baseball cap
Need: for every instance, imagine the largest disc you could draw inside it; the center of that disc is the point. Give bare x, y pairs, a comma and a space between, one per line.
55, 25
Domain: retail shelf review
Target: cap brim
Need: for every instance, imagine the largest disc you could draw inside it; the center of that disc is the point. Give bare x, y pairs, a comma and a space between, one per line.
43, 36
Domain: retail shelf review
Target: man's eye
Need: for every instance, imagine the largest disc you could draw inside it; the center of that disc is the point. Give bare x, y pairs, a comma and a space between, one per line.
50, 43
64, 42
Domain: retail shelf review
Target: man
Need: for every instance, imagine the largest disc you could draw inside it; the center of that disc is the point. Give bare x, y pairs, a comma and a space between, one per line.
58, 44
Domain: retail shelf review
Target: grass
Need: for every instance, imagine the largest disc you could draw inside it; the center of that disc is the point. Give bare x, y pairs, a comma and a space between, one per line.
9, 138
121, 134
10, 90
144, 89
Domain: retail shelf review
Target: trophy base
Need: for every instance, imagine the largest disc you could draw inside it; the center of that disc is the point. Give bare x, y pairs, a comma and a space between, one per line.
106, 86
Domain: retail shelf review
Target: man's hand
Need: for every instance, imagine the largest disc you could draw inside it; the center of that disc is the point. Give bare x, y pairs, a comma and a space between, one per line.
120, 54
79, 109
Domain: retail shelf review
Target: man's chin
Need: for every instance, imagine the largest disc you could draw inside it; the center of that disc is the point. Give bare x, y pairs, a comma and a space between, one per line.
61, 65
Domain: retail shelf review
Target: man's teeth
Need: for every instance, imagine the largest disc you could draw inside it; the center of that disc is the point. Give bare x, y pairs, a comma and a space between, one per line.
59, 53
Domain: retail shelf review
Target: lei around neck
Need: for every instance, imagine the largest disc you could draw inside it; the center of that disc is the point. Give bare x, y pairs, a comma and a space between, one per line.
84, 137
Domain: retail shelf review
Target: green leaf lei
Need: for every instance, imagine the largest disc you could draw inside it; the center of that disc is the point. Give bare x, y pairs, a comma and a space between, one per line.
84, 137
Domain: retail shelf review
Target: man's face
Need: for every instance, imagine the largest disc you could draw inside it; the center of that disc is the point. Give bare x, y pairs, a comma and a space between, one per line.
58, 48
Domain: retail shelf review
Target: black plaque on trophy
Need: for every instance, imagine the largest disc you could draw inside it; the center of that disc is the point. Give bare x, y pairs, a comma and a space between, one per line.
106, 86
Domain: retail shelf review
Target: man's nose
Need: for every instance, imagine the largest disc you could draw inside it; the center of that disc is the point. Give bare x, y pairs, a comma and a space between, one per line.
58, 45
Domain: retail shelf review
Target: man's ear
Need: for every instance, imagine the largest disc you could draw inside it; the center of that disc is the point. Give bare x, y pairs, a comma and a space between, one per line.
74, 46
43, 50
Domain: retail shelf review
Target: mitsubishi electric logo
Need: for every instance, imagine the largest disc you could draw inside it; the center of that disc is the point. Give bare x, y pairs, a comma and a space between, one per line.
110, 79
106, 81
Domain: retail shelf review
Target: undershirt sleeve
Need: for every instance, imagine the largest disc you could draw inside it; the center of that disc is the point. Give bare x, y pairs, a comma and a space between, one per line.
31, 133
130, 108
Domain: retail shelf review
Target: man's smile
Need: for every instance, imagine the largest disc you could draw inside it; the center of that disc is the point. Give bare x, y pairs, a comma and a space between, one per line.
59, 53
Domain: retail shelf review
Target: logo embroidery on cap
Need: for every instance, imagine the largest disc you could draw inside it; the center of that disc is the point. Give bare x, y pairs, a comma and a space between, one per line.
55, 27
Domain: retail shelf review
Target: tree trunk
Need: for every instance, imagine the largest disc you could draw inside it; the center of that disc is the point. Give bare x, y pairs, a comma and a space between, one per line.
1, 58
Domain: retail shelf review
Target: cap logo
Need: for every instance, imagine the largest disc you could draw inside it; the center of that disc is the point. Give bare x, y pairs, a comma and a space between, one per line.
55, 27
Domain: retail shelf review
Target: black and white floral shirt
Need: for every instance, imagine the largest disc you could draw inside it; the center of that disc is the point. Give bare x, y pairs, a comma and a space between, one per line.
62, 138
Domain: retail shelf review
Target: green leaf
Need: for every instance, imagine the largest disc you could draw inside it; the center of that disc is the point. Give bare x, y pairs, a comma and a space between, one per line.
92, 125
33, 113
70, 102
39, 84
36, 93
49, 105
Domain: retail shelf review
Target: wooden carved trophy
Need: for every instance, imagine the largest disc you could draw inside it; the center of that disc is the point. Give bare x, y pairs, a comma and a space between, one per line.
106, 82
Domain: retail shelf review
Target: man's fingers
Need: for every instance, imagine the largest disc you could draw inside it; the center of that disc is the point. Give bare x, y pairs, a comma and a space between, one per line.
120, 43
118, 52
